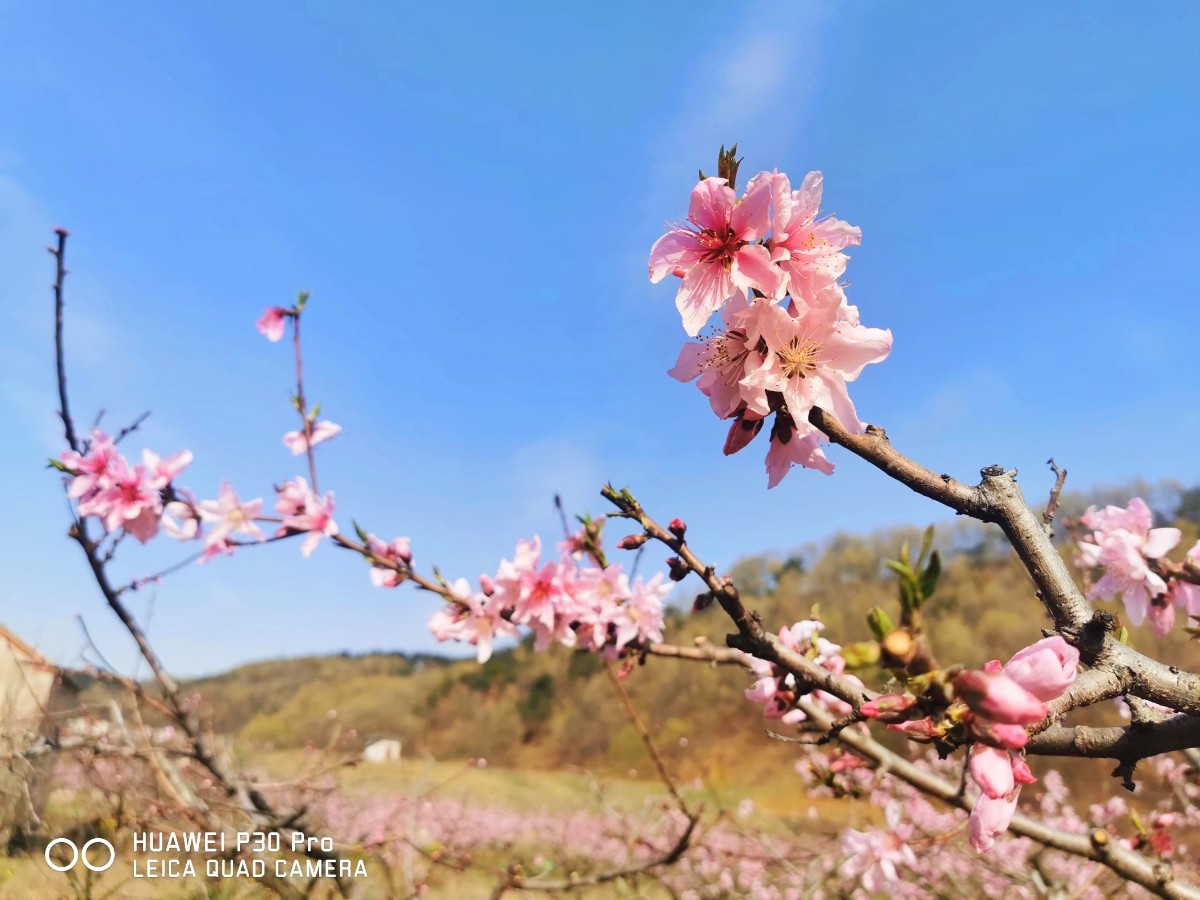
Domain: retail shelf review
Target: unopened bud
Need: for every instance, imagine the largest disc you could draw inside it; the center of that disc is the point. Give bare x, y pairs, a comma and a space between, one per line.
919, 729
999, 734
741, 433
677, 528
702, 602
487, 585
888, 707
999, 698
1021, 771
633, 541
677, 571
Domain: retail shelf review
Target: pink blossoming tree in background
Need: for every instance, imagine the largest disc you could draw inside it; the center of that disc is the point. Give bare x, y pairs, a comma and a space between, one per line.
764, 267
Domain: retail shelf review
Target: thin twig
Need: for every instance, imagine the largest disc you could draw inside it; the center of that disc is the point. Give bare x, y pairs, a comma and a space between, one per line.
640, 728
1060, 478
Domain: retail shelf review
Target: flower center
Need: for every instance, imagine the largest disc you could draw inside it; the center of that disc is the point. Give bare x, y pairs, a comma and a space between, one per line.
799, 357
728, 356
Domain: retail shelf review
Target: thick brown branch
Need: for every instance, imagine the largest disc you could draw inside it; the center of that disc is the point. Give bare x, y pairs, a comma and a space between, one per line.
998, 499
1127, 744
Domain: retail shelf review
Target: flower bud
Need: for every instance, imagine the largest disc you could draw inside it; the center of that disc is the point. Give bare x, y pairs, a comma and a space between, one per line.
920, 729
989, 819
992, 771
888, 707
676, 570
632, 541
999, 734
677, 528
999, 698
1045, 669
1021, 771
741, 433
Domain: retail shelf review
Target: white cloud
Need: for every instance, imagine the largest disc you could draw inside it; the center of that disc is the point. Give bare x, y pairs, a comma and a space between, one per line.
753, 88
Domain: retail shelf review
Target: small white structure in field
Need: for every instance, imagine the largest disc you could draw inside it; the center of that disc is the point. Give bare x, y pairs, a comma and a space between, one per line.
383, 750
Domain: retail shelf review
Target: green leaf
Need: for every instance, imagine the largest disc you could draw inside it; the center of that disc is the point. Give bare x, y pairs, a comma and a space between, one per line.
929, 578
301, 300
910, 594
362, 535
55, 464
900, 568
904, 557
926, 546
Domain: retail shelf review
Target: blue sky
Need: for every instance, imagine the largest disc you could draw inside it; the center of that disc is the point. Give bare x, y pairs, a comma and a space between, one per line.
471, 192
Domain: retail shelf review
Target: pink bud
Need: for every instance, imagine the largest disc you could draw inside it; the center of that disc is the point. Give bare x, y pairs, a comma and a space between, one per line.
992, 770
632, 541
999, 734
1045, 669
999, 698
741, 433
1021, 771
888, 707
989, 819
992, 666
487, 584
677, 528
918, 728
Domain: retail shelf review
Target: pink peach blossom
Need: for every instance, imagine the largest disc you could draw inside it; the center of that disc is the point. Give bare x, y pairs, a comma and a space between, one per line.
398, 551
271, 323
228, 515
1121, 542
716, 253
303, 511
812, 355
298, 442
1045, 669
804, 246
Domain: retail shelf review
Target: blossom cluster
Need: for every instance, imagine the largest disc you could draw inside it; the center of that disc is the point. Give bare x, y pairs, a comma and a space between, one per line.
777, 690
1124, 544
569, 600
790, 339
143, 500
120, 495
1004, 699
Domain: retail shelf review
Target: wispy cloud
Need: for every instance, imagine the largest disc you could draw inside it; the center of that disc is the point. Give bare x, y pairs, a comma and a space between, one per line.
752, 88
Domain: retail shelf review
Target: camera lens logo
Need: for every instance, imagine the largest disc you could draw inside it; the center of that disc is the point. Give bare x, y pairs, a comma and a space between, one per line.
78, 854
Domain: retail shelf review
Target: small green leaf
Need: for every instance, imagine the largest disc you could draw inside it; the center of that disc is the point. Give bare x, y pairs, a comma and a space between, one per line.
929, 578
362, 535
900, 568
926, 546
56, 464
302, 300
904, 557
